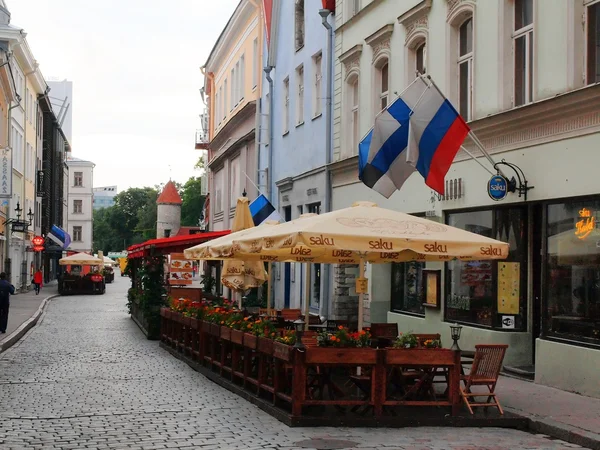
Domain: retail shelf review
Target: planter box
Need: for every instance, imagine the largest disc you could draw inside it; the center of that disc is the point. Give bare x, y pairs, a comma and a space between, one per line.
237, 337
283, 351
165, 312
215, 329
341, 356
187, 321
205, 326
225, 333
417, 356
265, 345
194, 323
250, 341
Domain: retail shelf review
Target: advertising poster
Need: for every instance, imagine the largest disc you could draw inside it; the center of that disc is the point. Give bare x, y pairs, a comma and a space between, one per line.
509, 290
180, 270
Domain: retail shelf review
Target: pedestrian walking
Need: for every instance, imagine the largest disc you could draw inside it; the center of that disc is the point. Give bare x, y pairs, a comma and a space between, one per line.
6, 290
37, 280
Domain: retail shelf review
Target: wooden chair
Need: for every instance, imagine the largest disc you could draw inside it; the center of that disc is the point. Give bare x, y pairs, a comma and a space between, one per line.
421, 338
384, 334
484, 372
290, 314
271, 312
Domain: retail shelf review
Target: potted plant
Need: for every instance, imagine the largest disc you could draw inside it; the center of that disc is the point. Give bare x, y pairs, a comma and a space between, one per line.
283, 345
406, 340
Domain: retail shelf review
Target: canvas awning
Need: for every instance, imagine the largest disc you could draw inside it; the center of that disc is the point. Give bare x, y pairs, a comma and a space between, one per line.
80, 259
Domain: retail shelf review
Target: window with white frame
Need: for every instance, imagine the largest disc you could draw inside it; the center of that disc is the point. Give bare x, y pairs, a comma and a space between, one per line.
420, 58
217, 112
78, 206
237, 83
593, 43
77, 234
225, 98
299, 24
353, 113
286, 105
78, 179
300, 93
383, 82
28, 105
242, 77
465, 69
232, 99
317, 96
255, 63
218, 180
523, 51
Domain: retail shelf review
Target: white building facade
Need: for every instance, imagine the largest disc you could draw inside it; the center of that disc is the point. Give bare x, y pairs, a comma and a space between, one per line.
523, 75
80, 204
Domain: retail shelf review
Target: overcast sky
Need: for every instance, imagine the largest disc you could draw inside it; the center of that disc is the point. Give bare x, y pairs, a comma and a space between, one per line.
135, 71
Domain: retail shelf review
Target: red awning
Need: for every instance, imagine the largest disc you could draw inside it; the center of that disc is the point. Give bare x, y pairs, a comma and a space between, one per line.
173, 244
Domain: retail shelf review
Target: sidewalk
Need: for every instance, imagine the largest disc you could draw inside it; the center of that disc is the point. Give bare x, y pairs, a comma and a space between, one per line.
25, 310
570, 417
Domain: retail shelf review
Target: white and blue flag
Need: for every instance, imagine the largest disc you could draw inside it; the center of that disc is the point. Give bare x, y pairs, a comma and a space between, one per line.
262, 209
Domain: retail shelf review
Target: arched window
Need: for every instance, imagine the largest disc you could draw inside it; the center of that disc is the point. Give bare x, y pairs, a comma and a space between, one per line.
420, 58
465, 69
382, 84
353, 97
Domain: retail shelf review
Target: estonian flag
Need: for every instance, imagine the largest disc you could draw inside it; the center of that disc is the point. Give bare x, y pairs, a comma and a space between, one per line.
262, 209
59, 236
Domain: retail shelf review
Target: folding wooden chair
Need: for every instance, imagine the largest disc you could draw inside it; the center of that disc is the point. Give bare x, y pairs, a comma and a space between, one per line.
484, 372
384, 334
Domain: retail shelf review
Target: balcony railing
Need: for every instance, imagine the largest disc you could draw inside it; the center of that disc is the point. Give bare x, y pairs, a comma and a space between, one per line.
201, 140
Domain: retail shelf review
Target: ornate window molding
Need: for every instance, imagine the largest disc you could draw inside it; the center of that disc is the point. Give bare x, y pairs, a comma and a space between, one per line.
459, 10
351, 61
416, 22
380, 41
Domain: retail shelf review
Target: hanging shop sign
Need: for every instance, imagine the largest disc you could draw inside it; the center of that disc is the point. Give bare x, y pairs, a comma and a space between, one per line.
39, 187
586, 223
180, 270
38, 241
6, 173
497, 188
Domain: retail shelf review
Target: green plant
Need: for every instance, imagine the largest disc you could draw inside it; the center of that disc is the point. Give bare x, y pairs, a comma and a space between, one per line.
264, 328
208, 282
406, 340
288, 338
432, 343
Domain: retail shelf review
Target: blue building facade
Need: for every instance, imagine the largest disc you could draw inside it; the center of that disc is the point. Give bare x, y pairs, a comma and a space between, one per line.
297, 178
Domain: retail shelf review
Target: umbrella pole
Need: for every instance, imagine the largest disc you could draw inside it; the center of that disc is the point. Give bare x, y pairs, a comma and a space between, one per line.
361, 274
307, 299
269, 289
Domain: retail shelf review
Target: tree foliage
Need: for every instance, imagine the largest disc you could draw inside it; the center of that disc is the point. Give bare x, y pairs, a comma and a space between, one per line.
192, 202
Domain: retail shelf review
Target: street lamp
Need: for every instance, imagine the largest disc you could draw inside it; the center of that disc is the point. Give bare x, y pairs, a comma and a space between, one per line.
18, 210
30, 215
455, 334
299, 327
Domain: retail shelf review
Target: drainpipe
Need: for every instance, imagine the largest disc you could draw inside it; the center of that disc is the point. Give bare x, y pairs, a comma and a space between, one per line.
324, 13
270, 151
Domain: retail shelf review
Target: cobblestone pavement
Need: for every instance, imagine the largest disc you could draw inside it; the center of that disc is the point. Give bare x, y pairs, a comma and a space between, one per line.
85, 377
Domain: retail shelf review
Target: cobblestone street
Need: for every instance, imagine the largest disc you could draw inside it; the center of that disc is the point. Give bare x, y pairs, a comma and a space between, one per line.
85, 377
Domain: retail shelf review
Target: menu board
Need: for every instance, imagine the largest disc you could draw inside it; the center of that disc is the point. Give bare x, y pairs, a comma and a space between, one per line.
180, 270
509, 290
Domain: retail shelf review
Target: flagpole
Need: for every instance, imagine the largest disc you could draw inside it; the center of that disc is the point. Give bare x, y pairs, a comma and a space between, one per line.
476, 160
252, 183
471, 134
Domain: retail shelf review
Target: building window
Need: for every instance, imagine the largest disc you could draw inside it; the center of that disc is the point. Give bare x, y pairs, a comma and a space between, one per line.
483, 293
77, 234
407, 288
225, 98
300, 90
465, 69
78, 179
593, 43
382, 74
78, 206
523, 50
242, 78
354, 116
573, 271
315, 277
355, 7
420, 58
232, 99
299, 24
255, 63
218, 181
286, 105
317, 94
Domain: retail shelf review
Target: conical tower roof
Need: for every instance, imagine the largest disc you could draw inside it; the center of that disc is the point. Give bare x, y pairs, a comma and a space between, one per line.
169, 195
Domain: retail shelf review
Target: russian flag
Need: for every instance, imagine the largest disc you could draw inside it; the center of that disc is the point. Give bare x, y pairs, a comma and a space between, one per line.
436, 133
262, 209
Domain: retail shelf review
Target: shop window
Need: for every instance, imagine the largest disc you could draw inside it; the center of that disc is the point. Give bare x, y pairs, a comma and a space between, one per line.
490, 293
407, 288
573, 271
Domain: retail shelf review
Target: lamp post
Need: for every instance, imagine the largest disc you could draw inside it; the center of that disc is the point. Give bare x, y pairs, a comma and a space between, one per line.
299, 327
455, 334
18, 210
30, 215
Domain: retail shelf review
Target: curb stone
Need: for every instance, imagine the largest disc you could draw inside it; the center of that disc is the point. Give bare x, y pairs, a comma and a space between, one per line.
14, 337
558, 430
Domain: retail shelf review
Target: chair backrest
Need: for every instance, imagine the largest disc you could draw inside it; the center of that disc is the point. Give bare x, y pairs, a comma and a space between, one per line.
384, 330
291, 314
421, 338
270, 312
309, 338
488, 361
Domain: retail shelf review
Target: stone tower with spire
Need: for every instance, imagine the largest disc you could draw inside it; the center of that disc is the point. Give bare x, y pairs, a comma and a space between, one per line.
168, 215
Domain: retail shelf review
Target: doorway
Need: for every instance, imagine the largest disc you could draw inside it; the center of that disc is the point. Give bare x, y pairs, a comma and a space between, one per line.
287, 216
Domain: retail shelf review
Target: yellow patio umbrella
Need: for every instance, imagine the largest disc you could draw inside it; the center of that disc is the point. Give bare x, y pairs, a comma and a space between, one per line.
240, 275
375, 235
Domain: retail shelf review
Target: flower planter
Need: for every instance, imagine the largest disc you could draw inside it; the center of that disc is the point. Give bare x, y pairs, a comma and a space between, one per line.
215, 329
194, 323
187, 322
250, 341
283, 351
415, 356
341, 355
165, 312
205, 326
225, 333
237, 337
265, 345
